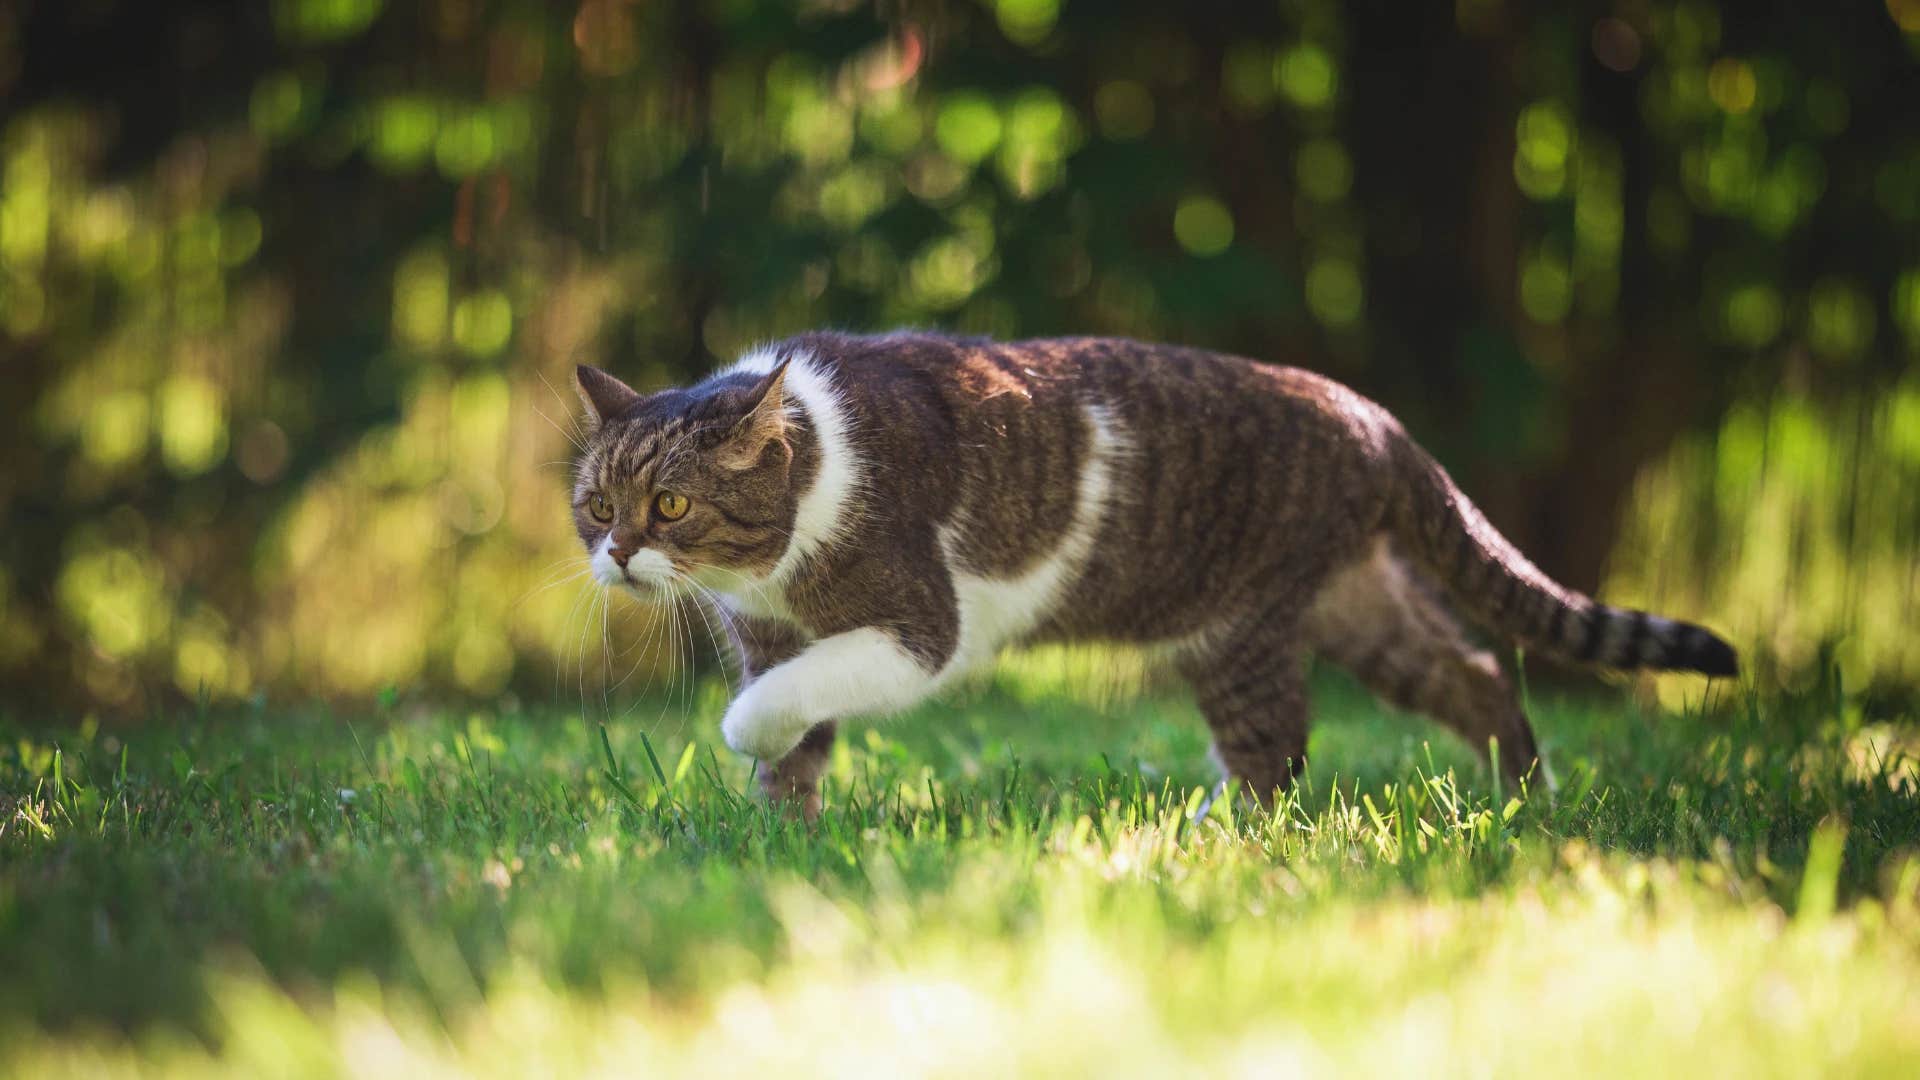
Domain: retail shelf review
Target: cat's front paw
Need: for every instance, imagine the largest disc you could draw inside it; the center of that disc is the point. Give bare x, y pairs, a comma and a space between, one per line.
756, 725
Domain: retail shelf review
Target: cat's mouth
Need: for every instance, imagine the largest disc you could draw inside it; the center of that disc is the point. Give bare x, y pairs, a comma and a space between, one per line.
646, 573
646, 587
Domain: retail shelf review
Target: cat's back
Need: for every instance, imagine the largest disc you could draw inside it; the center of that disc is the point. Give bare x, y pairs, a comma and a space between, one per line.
988, 392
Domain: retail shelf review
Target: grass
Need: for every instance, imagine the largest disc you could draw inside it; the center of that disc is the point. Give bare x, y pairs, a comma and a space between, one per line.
1007, 884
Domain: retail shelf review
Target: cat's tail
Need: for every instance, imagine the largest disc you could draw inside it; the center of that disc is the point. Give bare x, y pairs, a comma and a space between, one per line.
1493, 582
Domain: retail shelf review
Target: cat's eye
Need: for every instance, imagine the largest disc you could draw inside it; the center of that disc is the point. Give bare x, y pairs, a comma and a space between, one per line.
600, 508
671, 505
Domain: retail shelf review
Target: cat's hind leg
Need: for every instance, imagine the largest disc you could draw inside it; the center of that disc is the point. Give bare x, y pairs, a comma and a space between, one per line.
1251, 689
1382, 623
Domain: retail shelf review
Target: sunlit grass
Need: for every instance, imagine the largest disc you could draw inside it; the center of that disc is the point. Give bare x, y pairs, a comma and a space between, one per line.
1010, 883
1806, 508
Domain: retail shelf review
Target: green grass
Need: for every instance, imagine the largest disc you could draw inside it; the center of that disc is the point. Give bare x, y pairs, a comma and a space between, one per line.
1005, 884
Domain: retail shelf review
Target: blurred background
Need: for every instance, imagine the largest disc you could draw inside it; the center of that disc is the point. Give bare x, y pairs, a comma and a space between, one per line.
291, 291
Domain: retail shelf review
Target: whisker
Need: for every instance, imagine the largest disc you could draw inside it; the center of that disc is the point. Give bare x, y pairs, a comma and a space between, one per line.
690, 669
678, 658
580, 681
757, 589
564, 433
583, 571
700, 593
638, 647
562, 564
606, 665
560, 665
666, 701
644, 652
719, 611
577, 437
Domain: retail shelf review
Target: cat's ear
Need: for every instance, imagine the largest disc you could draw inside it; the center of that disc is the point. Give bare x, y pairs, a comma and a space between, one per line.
604, 396
764, 425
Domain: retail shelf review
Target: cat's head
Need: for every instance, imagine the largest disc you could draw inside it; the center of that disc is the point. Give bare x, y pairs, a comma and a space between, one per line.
685, 483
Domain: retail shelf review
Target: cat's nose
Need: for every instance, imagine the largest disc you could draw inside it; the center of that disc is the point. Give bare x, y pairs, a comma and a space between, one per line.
620, 555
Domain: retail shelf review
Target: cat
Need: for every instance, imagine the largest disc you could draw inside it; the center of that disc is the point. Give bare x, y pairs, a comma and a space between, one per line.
879, 514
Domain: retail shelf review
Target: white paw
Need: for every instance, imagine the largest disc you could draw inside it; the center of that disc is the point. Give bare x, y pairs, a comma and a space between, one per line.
756, 725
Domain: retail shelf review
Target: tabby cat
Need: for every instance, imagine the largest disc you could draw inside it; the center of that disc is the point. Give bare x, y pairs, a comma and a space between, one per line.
881, 514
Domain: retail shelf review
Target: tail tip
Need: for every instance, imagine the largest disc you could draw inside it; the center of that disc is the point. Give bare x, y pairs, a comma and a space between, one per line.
1714, 657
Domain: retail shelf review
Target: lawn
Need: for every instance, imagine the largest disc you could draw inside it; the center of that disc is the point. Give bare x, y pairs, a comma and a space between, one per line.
1007, 883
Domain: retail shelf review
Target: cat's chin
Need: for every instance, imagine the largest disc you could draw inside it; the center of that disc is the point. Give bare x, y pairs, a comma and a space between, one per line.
650, 590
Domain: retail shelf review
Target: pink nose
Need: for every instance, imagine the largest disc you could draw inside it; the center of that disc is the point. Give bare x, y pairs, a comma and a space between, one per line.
620, 555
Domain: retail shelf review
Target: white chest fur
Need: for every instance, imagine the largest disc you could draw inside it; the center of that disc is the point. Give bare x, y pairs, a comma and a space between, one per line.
822, 512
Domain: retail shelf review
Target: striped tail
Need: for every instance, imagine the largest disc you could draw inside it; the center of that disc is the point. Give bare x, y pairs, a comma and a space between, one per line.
1494, 582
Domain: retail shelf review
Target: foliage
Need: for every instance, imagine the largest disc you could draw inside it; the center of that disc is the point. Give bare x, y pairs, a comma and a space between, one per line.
289, 293
1734, 890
